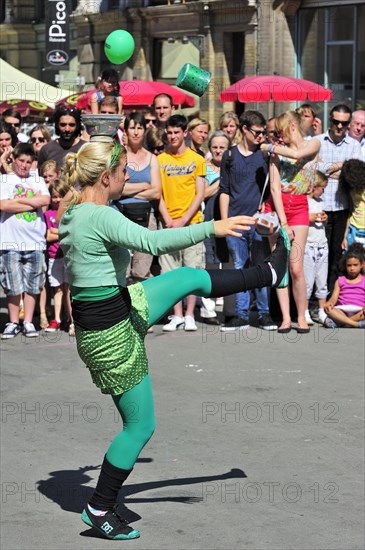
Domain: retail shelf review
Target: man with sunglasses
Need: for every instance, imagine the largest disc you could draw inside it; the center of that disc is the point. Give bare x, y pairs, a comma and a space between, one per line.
13, 118
67, 122
336, 147
243, 173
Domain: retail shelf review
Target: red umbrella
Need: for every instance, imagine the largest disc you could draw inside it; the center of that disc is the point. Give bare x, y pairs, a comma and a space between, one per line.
27, 107
278, 88
138, 93
70, 101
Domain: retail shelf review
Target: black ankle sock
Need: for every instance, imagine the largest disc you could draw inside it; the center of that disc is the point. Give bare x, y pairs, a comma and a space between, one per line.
110, 481
231, 281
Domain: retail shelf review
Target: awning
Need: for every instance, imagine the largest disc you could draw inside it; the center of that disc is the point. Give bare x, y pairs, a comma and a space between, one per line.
17, 85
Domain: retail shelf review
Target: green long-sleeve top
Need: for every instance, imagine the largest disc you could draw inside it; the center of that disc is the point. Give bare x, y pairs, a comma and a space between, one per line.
96, 240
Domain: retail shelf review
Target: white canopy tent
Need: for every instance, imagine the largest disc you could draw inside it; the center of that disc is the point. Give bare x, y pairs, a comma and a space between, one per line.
17, 85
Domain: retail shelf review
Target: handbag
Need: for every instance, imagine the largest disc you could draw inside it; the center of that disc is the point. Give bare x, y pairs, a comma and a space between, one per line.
137, 212
267, 224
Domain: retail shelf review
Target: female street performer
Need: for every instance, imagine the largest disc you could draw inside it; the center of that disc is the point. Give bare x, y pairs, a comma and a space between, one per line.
111, 320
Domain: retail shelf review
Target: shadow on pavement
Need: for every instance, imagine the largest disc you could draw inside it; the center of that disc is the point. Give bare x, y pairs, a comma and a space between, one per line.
69, 489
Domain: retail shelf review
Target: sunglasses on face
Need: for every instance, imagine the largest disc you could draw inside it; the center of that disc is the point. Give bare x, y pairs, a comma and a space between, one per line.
159, 148
257, 133
274, 133
338, 122
35, 139
15, 124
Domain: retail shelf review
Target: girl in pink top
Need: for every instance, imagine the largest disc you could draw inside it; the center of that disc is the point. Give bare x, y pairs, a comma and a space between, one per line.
346, 307
57, 274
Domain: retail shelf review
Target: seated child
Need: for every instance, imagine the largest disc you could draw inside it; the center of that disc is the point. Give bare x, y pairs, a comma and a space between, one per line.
346, 307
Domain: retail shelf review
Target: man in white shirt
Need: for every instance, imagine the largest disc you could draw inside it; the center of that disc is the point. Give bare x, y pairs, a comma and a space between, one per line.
336, 147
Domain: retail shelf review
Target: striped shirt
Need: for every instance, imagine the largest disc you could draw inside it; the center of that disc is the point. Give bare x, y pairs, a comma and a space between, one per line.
331, 152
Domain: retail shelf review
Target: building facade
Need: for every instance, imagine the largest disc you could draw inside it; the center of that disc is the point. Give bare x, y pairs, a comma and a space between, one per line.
316, 40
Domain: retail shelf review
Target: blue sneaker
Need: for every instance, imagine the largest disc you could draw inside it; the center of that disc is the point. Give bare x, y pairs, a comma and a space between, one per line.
11, 330
111, 525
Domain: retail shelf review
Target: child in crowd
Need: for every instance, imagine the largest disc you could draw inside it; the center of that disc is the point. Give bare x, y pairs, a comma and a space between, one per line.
49, 171
316, 249
352, 182
108, 86
346, 307
57, 274
23, 195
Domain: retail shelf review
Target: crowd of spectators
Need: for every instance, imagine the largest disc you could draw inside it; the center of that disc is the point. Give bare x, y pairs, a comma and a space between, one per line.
181, 172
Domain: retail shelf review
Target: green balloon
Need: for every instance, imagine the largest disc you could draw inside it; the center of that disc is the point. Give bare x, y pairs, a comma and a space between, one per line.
119, 46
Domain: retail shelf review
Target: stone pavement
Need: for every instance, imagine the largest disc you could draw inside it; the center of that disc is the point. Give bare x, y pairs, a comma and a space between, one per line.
259, 443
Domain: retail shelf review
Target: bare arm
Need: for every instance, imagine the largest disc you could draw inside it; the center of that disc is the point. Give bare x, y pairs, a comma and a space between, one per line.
344, 240
14, 207
165, 213
333, 300
94, 104
38, 201
5, 160
120, 105
211, 190
310, 149
153, 191
133, 189
52, 235
275, 189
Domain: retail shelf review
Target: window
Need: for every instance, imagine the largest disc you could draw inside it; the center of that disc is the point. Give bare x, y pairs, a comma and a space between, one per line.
331, 43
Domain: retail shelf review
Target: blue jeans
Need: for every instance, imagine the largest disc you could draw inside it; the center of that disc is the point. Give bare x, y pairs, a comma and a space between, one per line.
249, 246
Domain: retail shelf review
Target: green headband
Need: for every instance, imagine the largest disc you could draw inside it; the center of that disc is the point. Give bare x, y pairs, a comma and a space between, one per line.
115, 154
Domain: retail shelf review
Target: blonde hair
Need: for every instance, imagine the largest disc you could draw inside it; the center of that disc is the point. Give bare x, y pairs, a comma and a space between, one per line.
225, 118
195, 122
283, 121
84, 168
59, 186
50, 165
320, 179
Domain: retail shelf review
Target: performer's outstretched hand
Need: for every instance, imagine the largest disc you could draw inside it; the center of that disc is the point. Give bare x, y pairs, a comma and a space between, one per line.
230, 226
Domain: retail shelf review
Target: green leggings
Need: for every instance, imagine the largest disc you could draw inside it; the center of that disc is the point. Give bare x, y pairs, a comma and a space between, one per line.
136, 405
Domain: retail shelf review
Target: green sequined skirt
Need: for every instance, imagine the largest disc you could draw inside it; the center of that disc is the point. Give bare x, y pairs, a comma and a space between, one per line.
116, 356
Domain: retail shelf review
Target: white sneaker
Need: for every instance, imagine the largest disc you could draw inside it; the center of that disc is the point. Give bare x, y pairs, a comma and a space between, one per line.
322, 317
174, 324
308, 318
29, 330
190, 324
